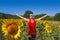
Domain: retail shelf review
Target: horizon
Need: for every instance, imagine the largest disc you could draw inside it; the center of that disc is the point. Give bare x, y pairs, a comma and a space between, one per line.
36, 6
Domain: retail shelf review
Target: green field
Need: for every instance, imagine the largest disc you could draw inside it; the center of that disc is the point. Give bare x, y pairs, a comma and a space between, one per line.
46, 30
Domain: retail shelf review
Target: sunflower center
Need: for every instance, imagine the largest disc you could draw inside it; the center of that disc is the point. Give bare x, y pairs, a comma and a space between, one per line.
48, 28
12, 29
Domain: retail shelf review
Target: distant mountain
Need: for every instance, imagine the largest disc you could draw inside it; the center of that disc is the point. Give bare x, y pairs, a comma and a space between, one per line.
6, 16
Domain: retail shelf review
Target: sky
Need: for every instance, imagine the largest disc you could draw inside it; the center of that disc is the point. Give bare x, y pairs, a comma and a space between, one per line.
36, 6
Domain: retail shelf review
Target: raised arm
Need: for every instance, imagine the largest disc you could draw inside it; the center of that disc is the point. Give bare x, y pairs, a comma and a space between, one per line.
42, 17
22, 17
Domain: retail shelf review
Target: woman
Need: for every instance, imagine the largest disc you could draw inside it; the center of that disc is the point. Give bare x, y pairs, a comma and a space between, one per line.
32, 25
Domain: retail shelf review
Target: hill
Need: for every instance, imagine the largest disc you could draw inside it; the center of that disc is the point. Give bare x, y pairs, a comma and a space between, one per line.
6, 16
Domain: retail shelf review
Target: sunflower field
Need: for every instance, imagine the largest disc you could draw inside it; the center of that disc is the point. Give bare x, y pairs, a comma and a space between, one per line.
16, 29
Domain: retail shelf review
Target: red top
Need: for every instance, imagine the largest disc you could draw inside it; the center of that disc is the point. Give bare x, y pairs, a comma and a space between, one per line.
32, 27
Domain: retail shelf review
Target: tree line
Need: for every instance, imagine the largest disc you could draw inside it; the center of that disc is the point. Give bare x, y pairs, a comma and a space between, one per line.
56, 17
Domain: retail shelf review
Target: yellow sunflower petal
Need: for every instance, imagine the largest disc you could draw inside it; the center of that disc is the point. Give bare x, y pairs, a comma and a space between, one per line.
48, 28
11, 28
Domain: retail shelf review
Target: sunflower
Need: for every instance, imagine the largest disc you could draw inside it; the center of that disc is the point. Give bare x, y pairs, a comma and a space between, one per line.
58, 26
48, 28
11, 28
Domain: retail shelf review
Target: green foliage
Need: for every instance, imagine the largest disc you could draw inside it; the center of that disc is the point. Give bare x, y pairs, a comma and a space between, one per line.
46, 18
2, 15
27, 13
7, 16
57, 17
40, 15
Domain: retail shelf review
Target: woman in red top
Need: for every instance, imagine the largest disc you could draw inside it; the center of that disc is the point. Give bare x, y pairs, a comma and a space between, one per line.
32, 25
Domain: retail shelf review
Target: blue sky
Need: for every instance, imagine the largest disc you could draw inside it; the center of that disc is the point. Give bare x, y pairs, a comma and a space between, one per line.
36, 6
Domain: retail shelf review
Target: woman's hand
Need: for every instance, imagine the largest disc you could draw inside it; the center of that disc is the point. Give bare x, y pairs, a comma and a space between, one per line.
22, 17
47, 15
42, 17
17, 14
